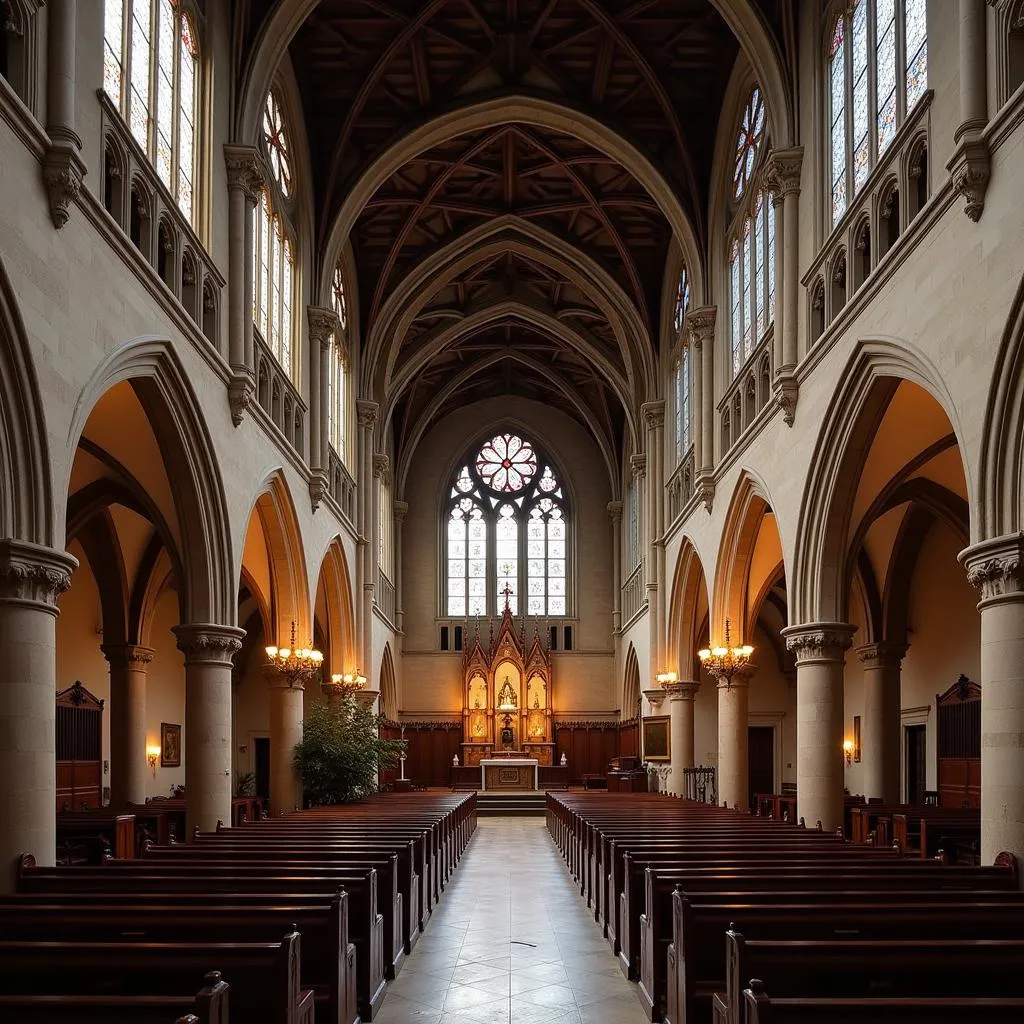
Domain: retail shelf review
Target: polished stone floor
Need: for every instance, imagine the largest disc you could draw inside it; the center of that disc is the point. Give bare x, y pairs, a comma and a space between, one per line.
511, 942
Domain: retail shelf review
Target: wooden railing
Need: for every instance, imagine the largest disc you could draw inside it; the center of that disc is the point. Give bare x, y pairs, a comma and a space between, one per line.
749, 392
278, 396
341, 485
384, 598
680, 484
633, 595
146, 212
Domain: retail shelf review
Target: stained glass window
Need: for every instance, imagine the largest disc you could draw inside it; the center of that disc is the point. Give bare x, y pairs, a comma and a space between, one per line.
752, 279
634, 523
273, 284
338, 302
521, 505
682, 300
276, 138
151, 73
337, 383
682, 403
871, 40
747, 142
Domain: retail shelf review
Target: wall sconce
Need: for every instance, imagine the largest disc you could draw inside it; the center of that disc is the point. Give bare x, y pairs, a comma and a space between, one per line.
848, 751
152, 756
665, 678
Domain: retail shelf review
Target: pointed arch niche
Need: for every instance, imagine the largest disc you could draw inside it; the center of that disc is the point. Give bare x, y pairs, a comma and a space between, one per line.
507, 696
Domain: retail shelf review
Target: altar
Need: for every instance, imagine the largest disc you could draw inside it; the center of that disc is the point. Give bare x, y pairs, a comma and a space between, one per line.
509, 773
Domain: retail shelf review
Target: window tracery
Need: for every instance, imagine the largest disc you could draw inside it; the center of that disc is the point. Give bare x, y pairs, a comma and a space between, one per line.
151, 72
506, 533
748, 142
337, 371
872, 44
681, 372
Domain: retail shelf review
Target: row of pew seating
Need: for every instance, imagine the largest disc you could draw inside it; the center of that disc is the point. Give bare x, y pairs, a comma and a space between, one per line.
729, 918
304, 918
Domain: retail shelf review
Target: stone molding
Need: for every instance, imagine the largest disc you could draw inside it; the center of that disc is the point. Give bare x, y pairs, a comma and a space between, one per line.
382, 466
207, 643
883, 654
683, 689
399, 509
244, 170
319, 488
971, 167
19, 14
614, 509
130, 655
782, 172
653, 413
786, 391
638, 464
323, 325
996, 567
700, 325
241, 391
819, 641
34, 574
704, 489
63, 171
366, 412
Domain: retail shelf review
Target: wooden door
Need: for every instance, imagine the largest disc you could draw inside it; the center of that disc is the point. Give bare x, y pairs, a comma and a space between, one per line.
760, 759
261, 760
916, 762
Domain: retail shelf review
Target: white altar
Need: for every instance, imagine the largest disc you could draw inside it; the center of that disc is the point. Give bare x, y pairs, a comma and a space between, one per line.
509, 773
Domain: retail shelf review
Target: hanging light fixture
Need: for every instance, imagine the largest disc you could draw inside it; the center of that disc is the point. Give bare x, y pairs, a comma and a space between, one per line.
725, 662
666, 678
350, 680
297, 665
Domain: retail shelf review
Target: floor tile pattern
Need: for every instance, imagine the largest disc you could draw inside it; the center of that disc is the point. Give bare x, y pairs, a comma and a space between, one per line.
511, 942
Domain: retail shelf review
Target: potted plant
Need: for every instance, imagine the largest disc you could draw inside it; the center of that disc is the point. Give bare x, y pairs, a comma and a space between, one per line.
341, 752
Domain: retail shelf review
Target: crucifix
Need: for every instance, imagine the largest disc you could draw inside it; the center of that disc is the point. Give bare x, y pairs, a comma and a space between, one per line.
507, 592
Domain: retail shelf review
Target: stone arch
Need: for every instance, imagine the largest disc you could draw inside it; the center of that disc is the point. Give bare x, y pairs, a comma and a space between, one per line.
335, 584
631, 686
386, 685
154, 371
820, 572
687, 611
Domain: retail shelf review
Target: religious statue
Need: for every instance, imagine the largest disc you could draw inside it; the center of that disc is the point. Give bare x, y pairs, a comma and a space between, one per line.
507, 736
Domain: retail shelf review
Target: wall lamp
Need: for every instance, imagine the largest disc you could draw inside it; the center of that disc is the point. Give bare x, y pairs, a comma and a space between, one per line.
152, 756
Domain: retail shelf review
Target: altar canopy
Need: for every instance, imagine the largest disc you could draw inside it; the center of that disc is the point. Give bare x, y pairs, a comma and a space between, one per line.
507, 697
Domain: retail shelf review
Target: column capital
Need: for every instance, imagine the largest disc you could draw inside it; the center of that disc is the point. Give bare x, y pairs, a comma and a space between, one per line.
129, 655
245, 170
34, 574
277, 680
819, 641
882, 654
653, 413
683, 689
614, 509
366, 412
996, 567
782, 172
63, 171
638, 464
700, 325
970, 168
206, 643
399, 509
323, 325
382, 466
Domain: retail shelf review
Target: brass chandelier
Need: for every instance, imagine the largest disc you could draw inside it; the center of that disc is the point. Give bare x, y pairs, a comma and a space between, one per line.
297, 665
725, 662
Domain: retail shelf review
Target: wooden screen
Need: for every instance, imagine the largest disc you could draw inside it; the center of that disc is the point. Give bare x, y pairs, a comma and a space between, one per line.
79, 743
589, 746
430, 749
959, 744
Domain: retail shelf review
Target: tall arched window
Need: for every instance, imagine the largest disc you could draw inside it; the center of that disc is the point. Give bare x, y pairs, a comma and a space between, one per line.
337, 378
274, 250
877, 71
151, 72
506, 532
681, 373
752, 249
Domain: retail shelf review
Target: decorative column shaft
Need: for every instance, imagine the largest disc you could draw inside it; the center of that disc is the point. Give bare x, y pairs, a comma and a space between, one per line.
970, 165
654, 417
323, 325
245, 180
129, 667
996, 567
399, 509
366, 417
700, 324
733, 743
681, 699
614, 509
820, 653
209, 651
696, 410
880, 732
31, 579
285, 733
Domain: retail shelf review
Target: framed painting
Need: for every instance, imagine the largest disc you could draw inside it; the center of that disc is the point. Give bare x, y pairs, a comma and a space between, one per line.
170, 745
655, 739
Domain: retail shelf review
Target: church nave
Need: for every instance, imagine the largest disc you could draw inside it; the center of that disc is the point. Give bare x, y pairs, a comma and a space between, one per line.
511, 943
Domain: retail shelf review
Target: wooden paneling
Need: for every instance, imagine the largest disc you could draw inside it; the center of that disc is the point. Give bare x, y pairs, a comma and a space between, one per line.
430, 749
589, 746
959, 744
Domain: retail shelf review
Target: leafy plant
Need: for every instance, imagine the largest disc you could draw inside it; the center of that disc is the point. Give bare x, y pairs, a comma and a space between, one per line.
245, 784
341, 752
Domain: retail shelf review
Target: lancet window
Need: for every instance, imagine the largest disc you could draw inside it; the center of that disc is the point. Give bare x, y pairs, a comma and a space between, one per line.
681, 371
507, 532
151, 72
877, 71
337, 370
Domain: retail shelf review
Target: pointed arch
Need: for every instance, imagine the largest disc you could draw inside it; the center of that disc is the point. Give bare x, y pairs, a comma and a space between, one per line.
631, 686
387, 687
688, 609
334, 583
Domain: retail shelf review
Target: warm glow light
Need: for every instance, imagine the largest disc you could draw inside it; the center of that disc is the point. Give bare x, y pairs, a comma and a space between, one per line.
296, 664
848, 749
152, 756
666, 678
725, 662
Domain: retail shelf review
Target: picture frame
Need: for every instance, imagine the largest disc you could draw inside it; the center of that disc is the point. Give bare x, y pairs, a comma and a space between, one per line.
170, 745
656, 743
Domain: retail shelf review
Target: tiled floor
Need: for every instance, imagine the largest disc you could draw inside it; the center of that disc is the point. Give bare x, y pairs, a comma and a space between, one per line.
511, 942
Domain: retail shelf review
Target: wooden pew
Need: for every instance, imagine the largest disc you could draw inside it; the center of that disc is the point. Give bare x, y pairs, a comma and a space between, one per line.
99, 827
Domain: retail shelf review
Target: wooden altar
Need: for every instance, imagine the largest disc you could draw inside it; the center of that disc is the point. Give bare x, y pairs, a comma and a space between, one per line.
506, 707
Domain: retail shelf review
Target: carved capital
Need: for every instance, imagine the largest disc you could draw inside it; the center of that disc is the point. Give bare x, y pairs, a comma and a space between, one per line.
614, 509
323, 324
786, 392
207, 643
683, 689
366, 412
399, 509
700, 325
819, 641
782, 172
638, 464
245, 170
33, 574
63, 171
971, 167
382, 467
704, 488
319, 488
881, 655
19, 14
128, 655
996, 567
653, 413
241, 389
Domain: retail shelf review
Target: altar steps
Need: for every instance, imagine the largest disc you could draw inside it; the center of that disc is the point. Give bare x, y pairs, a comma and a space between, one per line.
494, 805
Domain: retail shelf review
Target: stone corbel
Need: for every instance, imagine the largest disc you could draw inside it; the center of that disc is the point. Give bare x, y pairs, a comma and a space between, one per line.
971, 168
241, 389
63, 171
704, 488
319, 488
786, 392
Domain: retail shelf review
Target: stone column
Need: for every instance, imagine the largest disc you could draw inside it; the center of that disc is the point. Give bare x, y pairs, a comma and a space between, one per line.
880, 730
209, 650
323, 325
366, 418
654, 417
970, 165
31, 579
285, 733
681, 699
820, 649
638, 466
996, 567
733, 742
614, 509
129, 667
245, 180
400, 509
700, 324
697, 401
63, 169
333, 693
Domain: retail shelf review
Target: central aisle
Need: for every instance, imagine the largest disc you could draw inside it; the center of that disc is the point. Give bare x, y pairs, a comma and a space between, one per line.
511, 942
